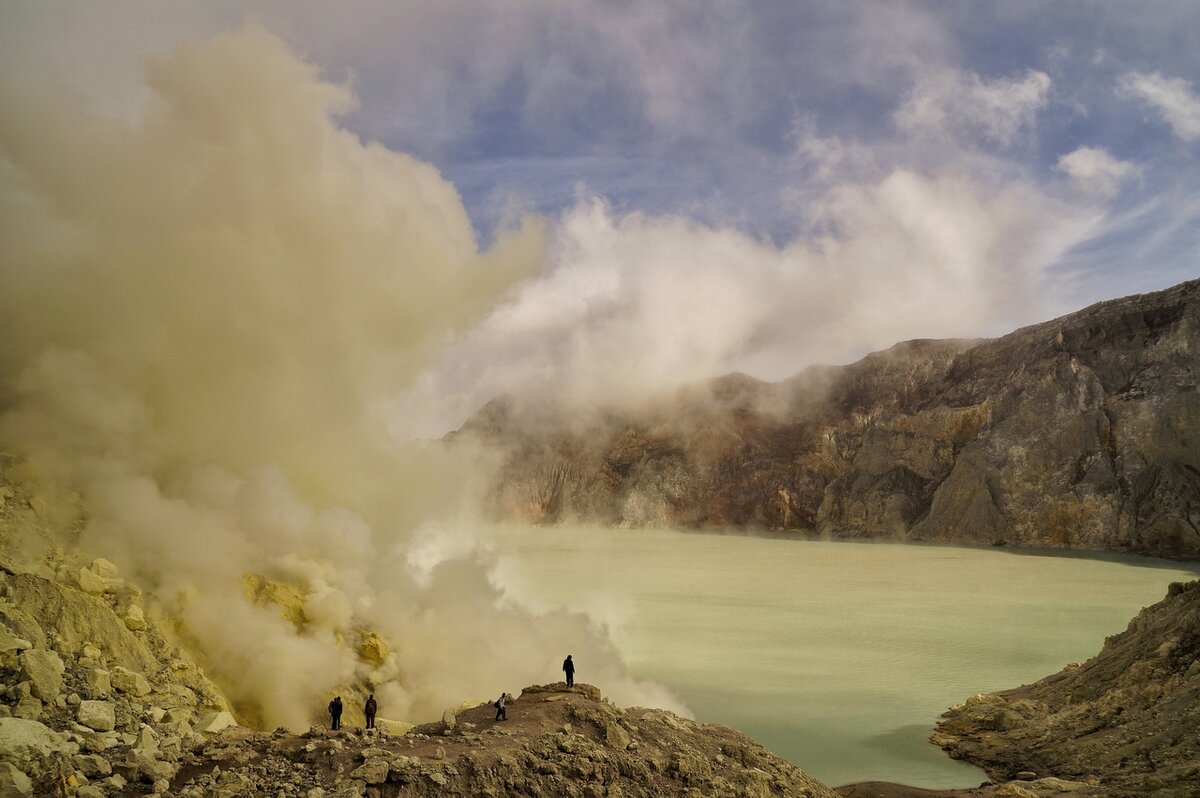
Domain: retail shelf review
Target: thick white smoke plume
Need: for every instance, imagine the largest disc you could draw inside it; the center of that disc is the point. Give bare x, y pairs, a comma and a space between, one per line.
205, 313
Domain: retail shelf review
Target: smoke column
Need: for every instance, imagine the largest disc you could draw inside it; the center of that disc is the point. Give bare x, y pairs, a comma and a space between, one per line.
206, 313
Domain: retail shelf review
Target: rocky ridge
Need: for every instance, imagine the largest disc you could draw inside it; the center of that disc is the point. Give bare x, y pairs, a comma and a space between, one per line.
1082, 432
1125, 719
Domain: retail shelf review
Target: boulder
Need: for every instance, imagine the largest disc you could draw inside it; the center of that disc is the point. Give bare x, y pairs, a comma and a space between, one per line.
129, 682
10, 642
103, 568
44, 670
30, 746
616, 737
98, 681
214, 722
98, 715
134, 618
92, 765
13, 782
372, 649
373, 771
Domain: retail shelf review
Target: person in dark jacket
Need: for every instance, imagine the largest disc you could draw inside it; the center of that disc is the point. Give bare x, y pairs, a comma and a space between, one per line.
569, 669
501, 713
335, 712
369, 710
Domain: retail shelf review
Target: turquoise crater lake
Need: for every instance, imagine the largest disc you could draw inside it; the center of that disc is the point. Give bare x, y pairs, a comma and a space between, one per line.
837, 656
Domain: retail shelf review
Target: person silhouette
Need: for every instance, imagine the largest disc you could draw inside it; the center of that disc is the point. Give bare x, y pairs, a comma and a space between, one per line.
335, 712
501, 712
569, 669
369, 710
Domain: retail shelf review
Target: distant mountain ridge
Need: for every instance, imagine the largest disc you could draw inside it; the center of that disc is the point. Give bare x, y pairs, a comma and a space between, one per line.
1082, 432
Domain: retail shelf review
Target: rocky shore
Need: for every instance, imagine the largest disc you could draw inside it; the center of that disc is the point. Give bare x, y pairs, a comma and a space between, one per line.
1125, 720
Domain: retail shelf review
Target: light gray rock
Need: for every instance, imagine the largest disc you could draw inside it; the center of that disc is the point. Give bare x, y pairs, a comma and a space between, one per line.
44, 670
98, 715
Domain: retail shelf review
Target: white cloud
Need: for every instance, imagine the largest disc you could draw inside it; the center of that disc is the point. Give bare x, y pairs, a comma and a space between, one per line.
1172, 97
631, 306
965, 105
1095, 171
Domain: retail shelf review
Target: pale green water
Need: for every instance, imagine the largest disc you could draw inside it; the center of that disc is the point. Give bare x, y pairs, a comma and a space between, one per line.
838, 656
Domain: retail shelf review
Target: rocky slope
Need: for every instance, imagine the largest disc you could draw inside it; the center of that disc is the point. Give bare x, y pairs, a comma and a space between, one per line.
1126, 719
1082, 432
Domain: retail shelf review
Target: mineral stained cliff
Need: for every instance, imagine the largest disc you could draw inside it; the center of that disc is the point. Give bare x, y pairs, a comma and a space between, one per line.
1125, 720
1082, 432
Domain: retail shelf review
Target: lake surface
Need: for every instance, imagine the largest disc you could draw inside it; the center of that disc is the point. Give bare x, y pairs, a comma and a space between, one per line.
837, 656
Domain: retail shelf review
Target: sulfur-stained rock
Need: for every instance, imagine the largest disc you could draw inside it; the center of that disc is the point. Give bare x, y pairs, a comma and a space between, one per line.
214, 722
134, 618
98, 682
373, 649
616, 737
10, 642
130, 682
44, 670
30, 746
373, 771
92, 766
13, 782
98, 715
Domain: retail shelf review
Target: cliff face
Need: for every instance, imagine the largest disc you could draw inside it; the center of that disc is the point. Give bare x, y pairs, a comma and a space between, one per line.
1126, 719
1082, 432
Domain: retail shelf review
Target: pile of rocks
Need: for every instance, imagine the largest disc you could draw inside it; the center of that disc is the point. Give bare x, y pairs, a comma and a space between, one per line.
93, 701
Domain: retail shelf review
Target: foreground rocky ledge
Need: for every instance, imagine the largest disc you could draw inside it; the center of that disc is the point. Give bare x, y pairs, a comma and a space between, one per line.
556, 742
1125, 720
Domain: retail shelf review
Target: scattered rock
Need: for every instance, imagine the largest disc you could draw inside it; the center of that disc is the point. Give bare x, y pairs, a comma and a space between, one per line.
13, 782
98, 715
214, 723
44, 670
127, 681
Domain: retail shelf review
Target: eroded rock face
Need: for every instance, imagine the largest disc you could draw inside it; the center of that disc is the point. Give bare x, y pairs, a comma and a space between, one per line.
1083, 432
1126, 718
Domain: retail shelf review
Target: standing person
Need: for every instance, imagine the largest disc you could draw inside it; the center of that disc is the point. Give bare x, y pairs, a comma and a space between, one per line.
569, 669
335, 712
369, 710
501, 713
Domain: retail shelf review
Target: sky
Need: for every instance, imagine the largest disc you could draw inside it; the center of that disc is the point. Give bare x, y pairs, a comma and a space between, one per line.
752, 186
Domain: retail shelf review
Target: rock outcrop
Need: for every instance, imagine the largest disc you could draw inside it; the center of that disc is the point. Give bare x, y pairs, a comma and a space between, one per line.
556, 742
1082, 432
1125, 719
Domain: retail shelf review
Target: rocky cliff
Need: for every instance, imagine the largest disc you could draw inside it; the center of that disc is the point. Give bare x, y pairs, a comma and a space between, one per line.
1125, 720
1082, 432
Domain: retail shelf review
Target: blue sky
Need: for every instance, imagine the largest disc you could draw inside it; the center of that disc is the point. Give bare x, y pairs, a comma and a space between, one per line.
823, 178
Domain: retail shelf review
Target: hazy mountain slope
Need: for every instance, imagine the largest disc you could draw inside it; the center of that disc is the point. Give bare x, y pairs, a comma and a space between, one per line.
1082, 432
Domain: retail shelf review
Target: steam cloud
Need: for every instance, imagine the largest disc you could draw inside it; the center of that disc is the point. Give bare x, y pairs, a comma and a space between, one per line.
206, 313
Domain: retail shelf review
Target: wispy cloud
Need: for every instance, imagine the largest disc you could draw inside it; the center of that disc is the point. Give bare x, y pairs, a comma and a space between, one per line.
1173, 98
